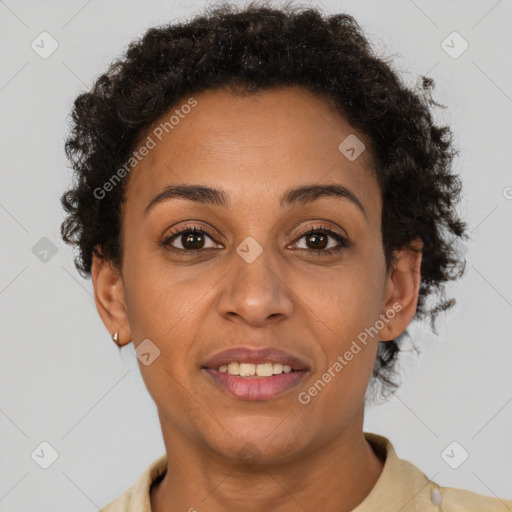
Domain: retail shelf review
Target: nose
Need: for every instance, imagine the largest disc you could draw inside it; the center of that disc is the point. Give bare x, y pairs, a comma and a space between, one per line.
255, 291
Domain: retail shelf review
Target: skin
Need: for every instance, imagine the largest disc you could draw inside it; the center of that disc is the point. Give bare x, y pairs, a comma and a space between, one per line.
305, 457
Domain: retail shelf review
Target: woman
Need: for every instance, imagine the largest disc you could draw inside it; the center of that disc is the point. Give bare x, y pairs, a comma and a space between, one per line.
264, 208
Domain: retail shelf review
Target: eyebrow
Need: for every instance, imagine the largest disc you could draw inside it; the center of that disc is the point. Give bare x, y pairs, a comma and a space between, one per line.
294, 197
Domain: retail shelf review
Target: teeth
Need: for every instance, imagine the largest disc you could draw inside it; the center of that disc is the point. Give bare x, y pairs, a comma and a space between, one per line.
234, 369
246, 370
249, 370
278, 368
265, 370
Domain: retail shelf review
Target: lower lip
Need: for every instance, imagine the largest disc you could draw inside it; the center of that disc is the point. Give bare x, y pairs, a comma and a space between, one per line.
256, 388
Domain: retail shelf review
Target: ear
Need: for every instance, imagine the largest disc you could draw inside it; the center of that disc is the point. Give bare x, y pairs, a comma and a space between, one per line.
401, 291
109, 297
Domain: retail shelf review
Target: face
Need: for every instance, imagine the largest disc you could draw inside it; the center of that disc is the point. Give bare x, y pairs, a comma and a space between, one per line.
303, 273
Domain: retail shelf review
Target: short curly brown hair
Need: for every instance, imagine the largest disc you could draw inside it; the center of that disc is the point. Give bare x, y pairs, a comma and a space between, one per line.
256, 48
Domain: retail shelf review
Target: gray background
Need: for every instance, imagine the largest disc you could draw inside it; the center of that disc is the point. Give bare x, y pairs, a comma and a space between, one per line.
62, 380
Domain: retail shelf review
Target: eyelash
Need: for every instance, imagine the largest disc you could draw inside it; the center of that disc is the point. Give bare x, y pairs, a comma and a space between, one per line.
343, 241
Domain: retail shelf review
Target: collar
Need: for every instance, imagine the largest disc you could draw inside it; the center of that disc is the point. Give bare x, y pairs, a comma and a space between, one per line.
401, 487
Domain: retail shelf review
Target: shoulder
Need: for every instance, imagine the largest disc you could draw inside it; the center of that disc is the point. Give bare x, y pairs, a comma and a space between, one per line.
421, 494
137, 497
403, 486
458, 500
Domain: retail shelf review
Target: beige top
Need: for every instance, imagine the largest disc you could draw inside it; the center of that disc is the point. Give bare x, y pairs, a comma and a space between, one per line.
400, 487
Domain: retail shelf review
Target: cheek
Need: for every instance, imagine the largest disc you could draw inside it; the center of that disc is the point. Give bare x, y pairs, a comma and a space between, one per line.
348, 305
350, 348
160, 296
166, 312
348, 299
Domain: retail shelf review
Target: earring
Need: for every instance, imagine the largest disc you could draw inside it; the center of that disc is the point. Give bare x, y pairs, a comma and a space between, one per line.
115, 337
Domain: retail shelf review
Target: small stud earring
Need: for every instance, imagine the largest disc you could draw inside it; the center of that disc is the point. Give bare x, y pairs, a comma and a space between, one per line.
115, 337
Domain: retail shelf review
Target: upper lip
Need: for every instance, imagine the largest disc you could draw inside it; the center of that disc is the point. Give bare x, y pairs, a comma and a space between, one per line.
255, 356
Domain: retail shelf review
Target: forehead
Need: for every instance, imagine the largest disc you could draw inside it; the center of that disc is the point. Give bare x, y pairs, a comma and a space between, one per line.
266, 142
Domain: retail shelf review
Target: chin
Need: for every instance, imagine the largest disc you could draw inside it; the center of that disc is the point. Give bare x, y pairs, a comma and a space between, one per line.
258, 445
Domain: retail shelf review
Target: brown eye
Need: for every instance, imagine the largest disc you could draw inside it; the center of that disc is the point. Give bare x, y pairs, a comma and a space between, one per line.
317, 240
190, 240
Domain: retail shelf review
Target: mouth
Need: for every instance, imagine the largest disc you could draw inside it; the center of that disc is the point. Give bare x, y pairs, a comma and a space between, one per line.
255, 374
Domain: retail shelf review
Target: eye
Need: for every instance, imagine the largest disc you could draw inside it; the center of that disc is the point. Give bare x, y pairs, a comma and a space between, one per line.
317, 240
191, 238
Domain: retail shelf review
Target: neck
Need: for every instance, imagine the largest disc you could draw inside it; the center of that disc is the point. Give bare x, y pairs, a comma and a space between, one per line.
334, 477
